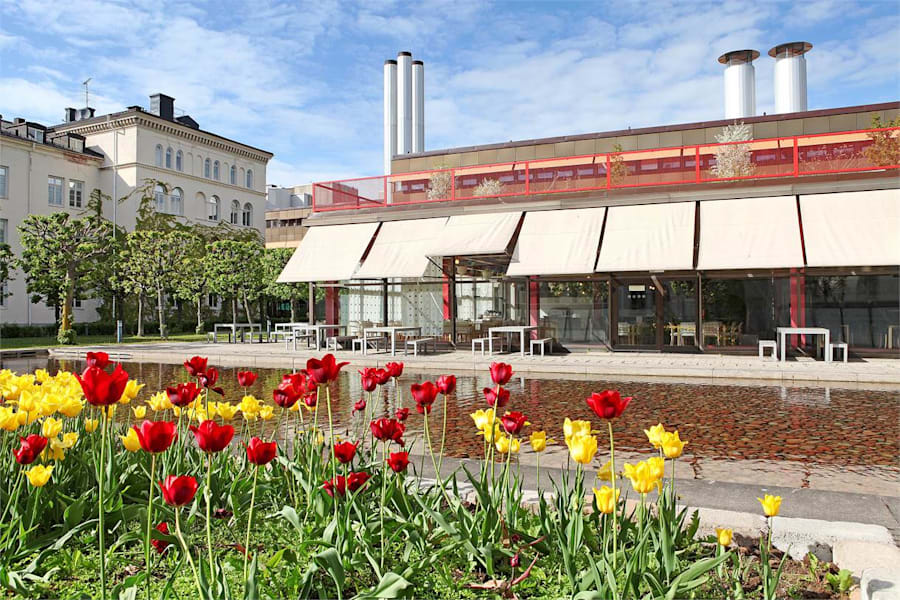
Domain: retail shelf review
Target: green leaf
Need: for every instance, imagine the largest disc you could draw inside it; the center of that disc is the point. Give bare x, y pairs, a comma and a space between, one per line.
331, 563
391, 585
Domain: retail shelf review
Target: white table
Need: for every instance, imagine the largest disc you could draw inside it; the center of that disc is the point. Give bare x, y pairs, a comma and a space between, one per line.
520, 329
233, 328
391, 330
783, 332
319, 329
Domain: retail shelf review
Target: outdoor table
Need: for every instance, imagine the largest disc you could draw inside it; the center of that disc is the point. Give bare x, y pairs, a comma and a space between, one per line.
233, 328
520, 329
318, 330
390, 330
783, 332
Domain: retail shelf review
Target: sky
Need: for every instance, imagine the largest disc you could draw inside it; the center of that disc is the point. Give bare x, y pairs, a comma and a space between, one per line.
304, 79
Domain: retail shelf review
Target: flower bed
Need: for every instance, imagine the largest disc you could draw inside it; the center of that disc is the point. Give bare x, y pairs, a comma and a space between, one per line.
189, 495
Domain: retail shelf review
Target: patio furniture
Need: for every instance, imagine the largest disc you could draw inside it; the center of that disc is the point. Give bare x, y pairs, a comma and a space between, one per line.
712, 329
388, 332
770, 344
512, 329
337, 342
783, 332
839, 346
232, 329
415, 343
297, 333
542, 343
483, 341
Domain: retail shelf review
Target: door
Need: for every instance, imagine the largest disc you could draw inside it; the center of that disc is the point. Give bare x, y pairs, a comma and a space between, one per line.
653, 314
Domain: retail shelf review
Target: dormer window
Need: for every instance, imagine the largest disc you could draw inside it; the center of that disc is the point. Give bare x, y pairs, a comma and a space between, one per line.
36, 134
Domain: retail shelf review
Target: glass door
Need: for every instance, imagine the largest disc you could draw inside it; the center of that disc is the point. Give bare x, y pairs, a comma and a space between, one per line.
635, 315
679, 310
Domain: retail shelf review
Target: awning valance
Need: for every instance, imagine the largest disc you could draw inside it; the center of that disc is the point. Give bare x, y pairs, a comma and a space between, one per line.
557, 242
467, 235
399, 249
750, 233
648, 237
328, 253
852, 228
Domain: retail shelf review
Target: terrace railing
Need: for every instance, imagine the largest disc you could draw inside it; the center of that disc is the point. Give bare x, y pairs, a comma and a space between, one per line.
826, 153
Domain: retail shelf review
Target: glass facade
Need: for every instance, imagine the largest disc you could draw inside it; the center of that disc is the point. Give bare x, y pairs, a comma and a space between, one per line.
861, 310
635, 310
574, 312
740, 312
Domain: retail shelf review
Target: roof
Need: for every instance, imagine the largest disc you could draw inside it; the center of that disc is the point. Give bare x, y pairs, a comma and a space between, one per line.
47, 144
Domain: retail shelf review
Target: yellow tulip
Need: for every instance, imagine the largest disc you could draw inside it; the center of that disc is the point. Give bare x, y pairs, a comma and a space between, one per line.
39, 475
604, 498
176, 410
110, 411
51, 427
139, 411
132, 388
583, 448
71, 407
131, 441
539, 441
482, 418
27, 402
771, 505
506, 444
574, 428
159, 402
488, 434
641, 476
9, 421
657, 466
90, 425
605, 473
69, 439
266, 412
654, 434
227, 411
672, 445
249, 404
723, 536
42, 375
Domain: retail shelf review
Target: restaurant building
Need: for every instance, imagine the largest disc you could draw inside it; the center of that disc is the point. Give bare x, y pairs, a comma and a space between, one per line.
681, 238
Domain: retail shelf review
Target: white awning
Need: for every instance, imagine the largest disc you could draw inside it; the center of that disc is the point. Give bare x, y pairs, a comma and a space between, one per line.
558, 242
852, 229
648, 237
328, 253
466, 235
750, 233
399, 249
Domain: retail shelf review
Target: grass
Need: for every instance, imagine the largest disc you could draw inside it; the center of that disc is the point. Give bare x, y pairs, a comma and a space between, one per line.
84, 340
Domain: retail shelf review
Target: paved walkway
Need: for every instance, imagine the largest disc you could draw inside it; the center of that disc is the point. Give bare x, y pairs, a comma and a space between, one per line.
693, 367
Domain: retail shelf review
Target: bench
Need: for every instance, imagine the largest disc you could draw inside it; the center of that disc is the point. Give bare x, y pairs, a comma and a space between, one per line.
293, 337
763, 344
333, 342
262, 336
482, 341
372, 342
839, 346
543, 343
415, 343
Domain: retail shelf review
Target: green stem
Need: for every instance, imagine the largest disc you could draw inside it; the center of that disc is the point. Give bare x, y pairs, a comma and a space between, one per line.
331, 441
208, 494
443, 434
187, 552
250, 524
615, 513
149, 522
437, 473
384, 476
100, 520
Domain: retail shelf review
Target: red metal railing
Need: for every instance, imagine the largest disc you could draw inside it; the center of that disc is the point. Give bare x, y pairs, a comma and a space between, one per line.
841, 152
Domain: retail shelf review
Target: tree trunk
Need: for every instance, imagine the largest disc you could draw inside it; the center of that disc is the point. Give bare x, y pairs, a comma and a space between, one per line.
293, 310
199, 314
161, 308
247, 309
140, 315
234, 313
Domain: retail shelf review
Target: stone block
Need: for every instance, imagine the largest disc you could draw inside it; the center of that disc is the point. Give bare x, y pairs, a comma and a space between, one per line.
798, 537
880, 584
858, 556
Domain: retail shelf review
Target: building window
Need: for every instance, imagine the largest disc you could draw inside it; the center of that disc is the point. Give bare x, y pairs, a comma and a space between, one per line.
214, 208
177, 202
232, 178
4, 172
247, 215
179, 161
36, 134
76, 303
168, 158
212, 300
76, 193
216, 170
4, 231
159, 194
250, 178
235, 210
206, 164
159, 159
55, 191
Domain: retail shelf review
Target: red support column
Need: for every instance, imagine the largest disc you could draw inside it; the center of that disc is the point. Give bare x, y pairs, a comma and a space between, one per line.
332, 305
445, 288
534, 305
798, 304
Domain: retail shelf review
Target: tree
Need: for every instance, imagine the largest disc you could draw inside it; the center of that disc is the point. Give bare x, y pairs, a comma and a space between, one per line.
734, 160
59, 256
6, 263
234, 271
885, 149
192, 281
273, 262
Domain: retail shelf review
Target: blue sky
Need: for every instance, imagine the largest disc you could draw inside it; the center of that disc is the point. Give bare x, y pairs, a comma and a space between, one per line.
304, 80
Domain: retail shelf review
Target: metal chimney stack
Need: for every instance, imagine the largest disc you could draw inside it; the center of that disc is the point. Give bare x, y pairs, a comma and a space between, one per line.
740, 83
404, 107
418, 106
404, 103
790, 76
390, 113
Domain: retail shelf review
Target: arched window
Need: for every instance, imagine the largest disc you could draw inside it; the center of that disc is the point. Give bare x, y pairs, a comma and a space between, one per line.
250, 178
177, 202
216, 170
247, 215
159, 155
206, 168
233, 176
200, 200
159, 194
235, 212
179, 161
168, 158
213, 213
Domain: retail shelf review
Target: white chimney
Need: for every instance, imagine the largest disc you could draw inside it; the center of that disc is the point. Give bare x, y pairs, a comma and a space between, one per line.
790, 76
390, 113
418, 106
404, 103
740, 83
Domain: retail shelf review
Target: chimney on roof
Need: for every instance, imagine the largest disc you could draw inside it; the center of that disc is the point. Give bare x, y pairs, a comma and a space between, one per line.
163, 106
790, 76
70, 115
740, 83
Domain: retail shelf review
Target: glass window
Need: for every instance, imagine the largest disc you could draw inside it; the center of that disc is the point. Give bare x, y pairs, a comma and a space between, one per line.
216, 170
76, 193
179, 161
206, 164
168, 158
744, 311
247, 215
55, 190
249, 178
214, 208
4, 231
861, 310
4, 173
235, 212
177, 205
636, 313
159, 194
233, 175
574, 312
159, 155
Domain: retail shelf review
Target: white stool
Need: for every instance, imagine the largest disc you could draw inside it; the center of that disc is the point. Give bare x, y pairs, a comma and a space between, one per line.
357, 343
542, 342
839, 346
763, 344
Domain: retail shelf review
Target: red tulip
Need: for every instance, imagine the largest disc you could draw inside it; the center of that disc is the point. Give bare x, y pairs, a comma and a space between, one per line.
398, 461
382, 376
446, 384
246, 378
161, 545
424, 395
320, 372
387, 430
183, 394
356, 480
311, 399
345, 451
338, 484
101, 388
359, 405
260, 452
608, 404
285, 395
155, 436
298, 381
178, 491
513, 422
212, 437
402, 414
368, 379
498, 398
394, 369
30, 448
501, 373
514, 561
209, 379
97, 359
195, 366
